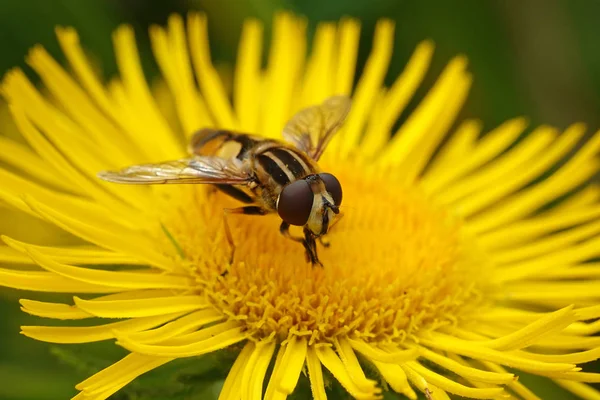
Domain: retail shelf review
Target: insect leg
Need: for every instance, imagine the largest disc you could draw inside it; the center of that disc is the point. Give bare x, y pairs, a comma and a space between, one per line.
235, 193
246, 210
284, 228
322, 239
310, 246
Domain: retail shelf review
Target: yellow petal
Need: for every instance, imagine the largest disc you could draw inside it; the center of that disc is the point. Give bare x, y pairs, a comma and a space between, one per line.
286, 378
494, 143
24, 159
139, 279
395, 376
248, 75
451, 386
466, 371
315, 373
471, 349
135, 308
114, 240
349, 35
373, 353
162, 144
120, 373
233, 384
52, 310
66, 254
581, 390
368, 86
217, 342
85, 334
206, 74
170, 51
332, 362
48, 282
182, 325
425, 387
254, 373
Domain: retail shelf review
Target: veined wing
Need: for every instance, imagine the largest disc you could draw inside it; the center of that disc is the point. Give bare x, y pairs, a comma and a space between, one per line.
188, 170
311, 129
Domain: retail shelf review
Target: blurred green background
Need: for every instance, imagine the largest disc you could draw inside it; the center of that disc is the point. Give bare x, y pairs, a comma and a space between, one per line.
537, 58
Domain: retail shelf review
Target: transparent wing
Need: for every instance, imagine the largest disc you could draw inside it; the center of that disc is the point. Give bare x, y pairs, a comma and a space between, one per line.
187, 170
311, 129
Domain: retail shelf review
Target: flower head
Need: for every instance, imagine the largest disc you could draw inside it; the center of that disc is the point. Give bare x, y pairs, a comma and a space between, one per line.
449, 273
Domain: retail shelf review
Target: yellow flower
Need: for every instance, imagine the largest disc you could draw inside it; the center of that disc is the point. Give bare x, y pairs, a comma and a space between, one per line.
451, 272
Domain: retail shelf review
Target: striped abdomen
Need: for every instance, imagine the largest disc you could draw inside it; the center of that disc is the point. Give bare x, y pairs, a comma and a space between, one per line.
277, 166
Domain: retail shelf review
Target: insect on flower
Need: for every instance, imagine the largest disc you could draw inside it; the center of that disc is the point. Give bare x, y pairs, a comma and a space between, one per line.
268, 175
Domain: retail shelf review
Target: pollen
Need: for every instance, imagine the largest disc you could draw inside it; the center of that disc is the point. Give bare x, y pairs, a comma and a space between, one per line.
394, 264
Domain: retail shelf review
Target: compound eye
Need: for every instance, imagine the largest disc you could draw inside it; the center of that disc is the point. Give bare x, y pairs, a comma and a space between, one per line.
333, 186
295, 203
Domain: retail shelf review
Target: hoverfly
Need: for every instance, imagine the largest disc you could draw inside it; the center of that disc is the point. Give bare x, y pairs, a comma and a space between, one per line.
268, 175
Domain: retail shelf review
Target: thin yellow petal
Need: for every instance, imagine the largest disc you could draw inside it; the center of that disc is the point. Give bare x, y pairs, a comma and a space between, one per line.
581, 390
466, 371
171, 54
114, 240
412, 132
572, 255
416, 161
332, 362
206, 74
533, 198
202, 334
254, 373
48, 282
425, 387
462, 141
531, 228
85, 334
248, 75
121, 200
182, 325
82, 67
368, 86
286, 378
123, 371
396, 99
315, 374
349, 35
77, 104
286, 59
319, 78
217, 342
135, 308
502, 167
515, 385
233, 384
471, 349
52, 310
350, 361
494, 143
498, 190
272, 392
451, 386
547, 245
395, 376
79, 207
374, 353
139, 279
528, 335
69, 254
24, 159
162, 143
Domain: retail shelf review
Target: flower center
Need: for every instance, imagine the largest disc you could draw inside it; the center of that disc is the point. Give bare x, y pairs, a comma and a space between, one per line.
396, 264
